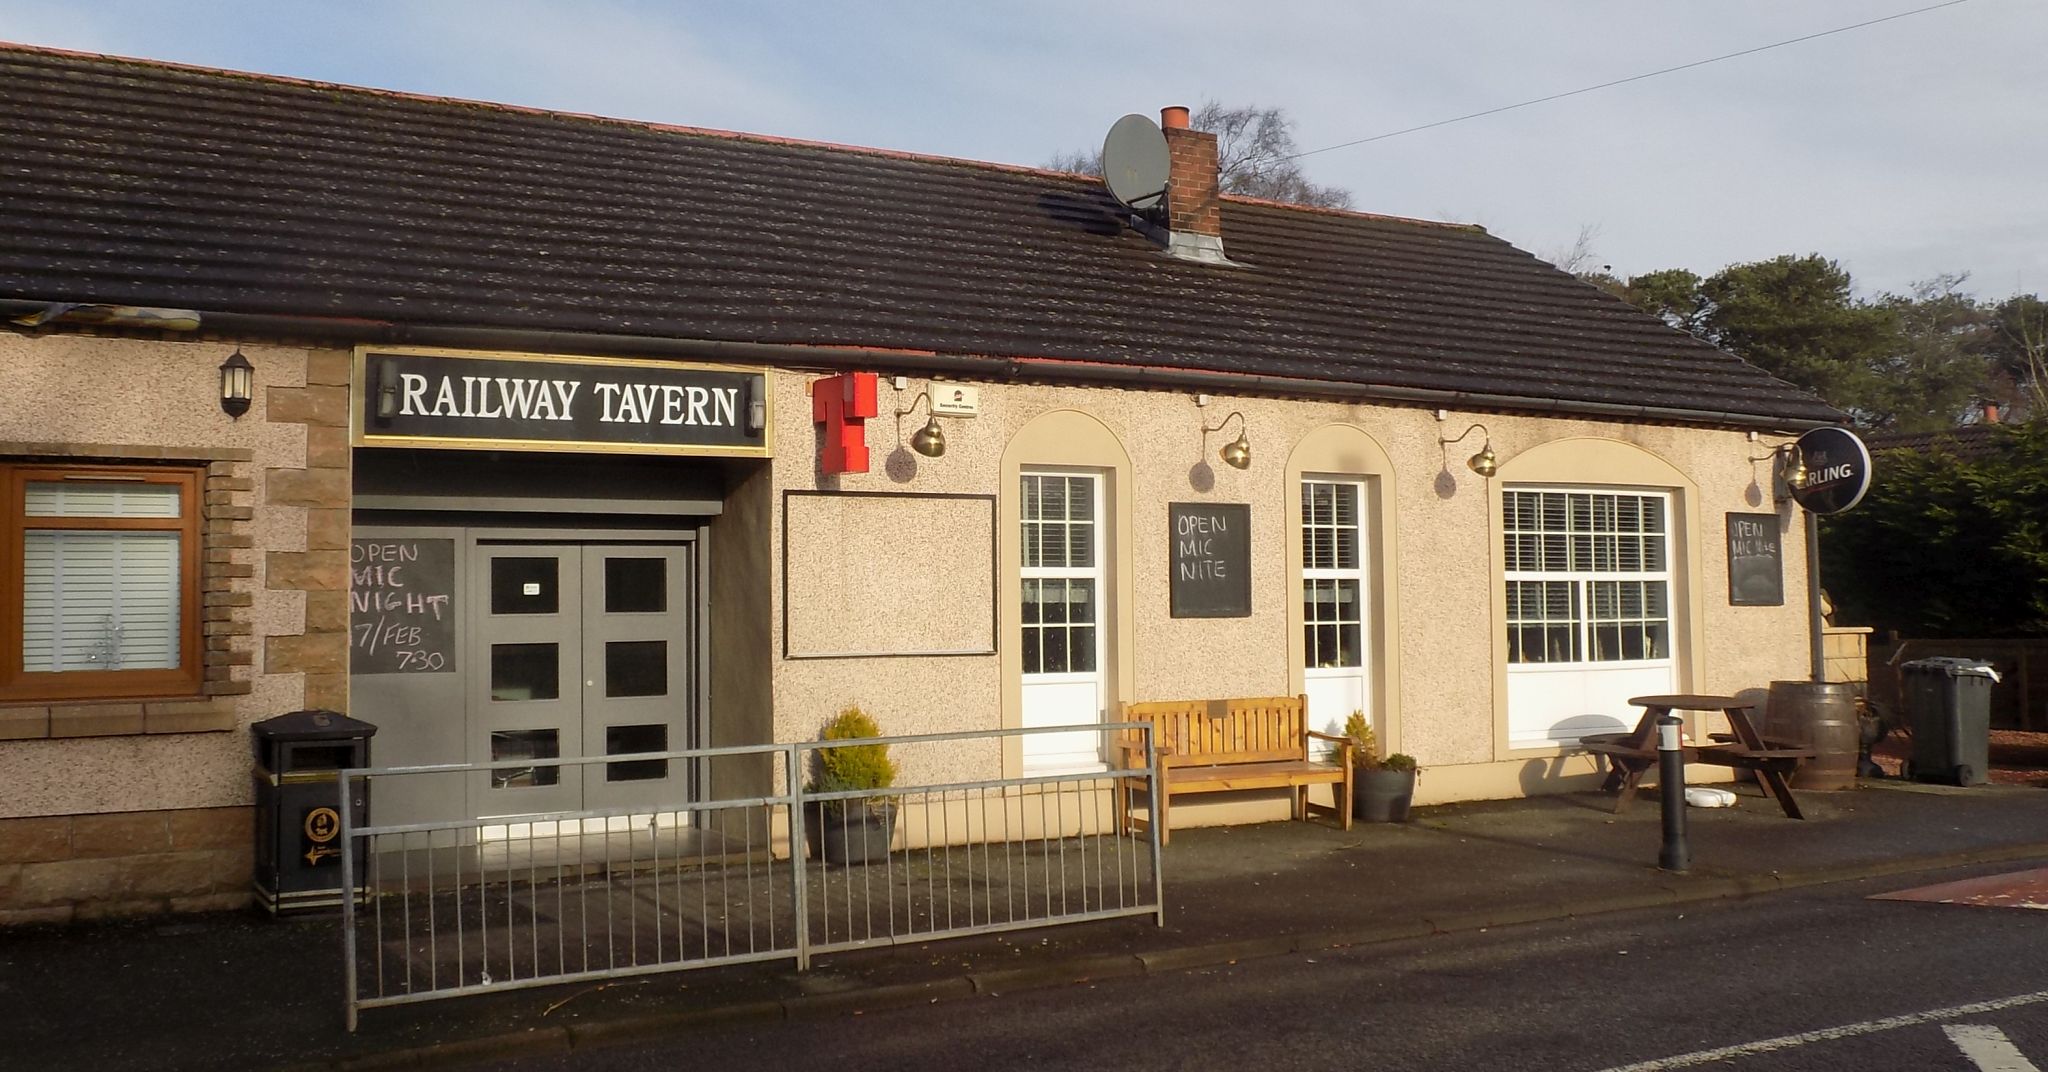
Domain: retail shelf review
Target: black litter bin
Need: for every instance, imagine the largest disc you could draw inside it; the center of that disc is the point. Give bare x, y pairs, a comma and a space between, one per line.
1948, 703
298, 821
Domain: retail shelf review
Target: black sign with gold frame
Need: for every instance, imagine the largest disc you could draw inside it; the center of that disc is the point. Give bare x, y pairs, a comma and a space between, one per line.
407, 397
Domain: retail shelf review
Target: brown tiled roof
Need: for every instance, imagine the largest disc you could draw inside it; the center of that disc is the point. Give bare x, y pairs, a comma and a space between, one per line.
1970, 442
142, 183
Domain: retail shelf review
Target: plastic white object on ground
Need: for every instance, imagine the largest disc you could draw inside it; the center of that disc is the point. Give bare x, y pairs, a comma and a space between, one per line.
1704, 797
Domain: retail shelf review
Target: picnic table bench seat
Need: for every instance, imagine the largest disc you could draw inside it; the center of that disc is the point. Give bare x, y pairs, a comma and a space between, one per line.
1214, 746
1630, 754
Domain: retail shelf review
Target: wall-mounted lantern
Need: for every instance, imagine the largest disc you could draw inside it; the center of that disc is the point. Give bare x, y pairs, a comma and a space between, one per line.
1486, 462
1237, 453
930, 440
237, 378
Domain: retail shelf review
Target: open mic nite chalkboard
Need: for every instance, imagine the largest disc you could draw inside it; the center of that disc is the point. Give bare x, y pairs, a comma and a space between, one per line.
401, 603
1211, 560
1756, 564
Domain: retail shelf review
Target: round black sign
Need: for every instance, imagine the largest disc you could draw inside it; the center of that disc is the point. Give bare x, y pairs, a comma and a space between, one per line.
1837, 470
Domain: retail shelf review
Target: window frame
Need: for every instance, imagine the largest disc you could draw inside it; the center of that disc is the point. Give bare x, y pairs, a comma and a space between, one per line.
1095, 575
1581, 582
1335, 575
185, 680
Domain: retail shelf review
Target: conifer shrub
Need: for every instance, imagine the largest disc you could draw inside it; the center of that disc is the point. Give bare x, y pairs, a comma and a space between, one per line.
852, 766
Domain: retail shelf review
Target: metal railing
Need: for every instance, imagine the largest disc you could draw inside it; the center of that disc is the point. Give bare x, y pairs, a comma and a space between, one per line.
466, 905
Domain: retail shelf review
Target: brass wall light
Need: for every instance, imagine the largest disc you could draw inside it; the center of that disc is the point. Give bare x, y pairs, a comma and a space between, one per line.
1486, 462
930, 440
237, 377
1237, 453
1789, 464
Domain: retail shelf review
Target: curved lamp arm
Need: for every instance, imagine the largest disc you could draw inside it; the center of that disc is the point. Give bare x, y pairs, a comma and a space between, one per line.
930, 440
1486, 462
1237, 453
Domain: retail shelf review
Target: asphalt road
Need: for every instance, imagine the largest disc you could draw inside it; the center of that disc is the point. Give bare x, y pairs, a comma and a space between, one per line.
1809, 981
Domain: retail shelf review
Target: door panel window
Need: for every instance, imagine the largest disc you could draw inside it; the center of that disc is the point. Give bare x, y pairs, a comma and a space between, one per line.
526, 672
1062, 578
511, 746
629, 740
635, 668
635, 585
1332, 575
525, 586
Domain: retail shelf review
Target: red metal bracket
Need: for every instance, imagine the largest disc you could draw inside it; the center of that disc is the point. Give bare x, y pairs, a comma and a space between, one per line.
843, 403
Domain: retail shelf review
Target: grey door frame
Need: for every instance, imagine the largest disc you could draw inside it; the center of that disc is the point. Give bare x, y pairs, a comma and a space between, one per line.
696, 720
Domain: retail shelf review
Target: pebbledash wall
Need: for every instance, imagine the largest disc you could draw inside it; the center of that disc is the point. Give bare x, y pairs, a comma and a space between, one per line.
130, 807
1435, 652
136, 807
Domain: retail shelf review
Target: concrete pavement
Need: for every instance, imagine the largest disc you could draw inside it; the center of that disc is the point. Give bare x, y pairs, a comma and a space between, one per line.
238, 991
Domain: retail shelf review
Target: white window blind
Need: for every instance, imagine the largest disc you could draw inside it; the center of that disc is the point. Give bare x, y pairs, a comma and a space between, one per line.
1588, 577
78, 498
100, 599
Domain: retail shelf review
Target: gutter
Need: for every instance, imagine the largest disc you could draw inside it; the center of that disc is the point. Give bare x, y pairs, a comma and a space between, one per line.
353, 332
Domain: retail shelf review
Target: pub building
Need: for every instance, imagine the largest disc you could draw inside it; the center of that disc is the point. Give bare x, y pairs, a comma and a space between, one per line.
521, 434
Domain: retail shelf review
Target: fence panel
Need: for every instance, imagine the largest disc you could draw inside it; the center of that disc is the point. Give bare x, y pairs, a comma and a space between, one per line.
466, 905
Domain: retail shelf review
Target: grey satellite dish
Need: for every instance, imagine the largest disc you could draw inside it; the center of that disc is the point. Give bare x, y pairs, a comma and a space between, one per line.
1134, 163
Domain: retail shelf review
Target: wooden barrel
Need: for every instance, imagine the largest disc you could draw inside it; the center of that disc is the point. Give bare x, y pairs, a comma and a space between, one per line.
1820, 716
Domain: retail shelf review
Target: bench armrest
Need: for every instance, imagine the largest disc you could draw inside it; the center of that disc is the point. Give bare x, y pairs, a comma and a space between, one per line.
1134, 754
1332, 737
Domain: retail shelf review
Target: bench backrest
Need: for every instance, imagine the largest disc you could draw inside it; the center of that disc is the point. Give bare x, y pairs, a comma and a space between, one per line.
1249, 730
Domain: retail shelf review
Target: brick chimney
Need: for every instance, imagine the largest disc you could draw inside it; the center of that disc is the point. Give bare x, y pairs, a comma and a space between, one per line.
1990, 413
1194, 208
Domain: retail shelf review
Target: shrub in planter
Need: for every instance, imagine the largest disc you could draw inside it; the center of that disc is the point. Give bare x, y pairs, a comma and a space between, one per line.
1382, 788
855, 830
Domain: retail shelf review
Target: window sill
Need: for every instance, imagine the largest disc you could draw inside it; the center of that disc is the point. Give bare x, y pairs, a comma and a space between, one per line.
120, 718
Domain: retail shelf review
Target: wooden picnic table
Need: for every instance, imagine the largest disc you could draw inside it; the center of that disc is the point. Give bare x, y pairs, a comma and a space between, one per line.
1630, 754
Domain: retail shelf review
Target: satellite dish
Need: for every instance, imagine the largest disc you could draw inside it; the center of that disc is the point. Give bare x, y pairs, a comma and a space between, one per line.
1134, 163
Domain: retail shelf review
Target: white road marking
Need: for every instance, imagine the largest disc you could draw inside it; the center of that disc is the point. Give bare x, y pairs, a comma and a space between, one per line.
1829, 1034
1989, 1049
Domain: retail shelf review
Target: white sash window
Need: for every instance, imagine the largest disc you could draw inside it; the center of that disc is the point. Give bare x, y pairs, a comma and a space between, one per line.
1589, 609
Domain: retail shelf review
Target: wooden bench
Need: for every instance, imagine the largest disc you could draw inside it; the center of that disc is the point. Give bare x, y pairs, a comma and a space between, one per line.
1212, 746
1631, 754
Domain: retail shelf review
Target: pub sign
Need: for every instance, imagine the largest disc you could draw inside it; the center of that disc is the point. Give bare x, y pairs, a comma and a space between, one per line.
447, 398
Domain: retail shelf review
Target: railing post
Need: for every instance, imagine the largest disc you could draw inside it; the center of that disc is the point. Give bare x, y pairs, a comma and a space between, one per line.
798, 869
348, 897
1152, 825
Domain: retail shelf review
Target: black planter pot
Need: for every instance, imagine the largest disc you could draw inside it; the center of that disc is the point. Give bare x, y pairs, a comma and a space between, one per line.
1382, 796
857, 835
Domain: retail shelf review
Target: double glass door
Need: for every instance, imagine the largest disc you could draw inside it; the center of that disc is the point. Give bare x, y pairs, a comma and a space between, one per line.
583, 650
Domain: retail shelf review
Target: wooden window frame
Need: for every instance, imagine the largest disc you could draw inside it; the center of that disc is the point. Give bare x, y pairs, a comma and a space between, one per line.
183, 681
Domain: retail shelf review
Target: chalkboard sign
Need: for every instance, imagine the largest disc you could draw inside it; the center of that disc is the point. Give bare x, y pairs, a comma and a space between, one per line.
1211, 560
401, 606
1756, 561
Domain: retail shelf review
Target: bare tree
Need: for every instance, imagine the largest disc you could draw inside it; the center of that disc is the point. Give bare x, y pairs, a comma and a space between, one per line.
1078, 162
1255, 153
1579, 257
1255, 156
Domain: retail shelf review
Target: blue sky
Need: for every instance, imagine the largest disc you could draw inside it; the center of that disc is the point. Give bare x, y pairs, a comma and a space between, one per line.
1904, 150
